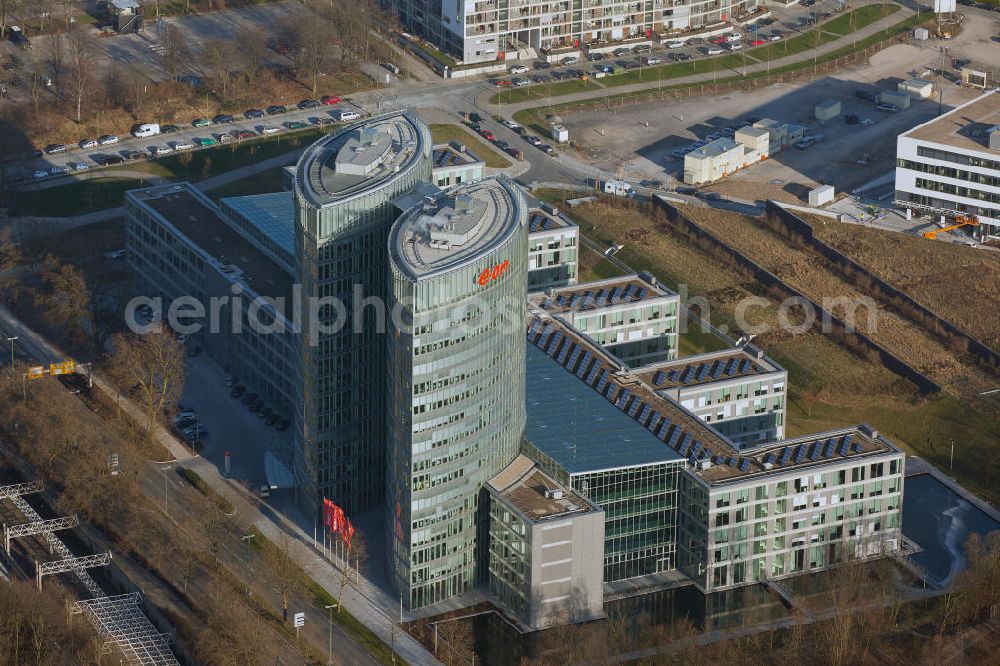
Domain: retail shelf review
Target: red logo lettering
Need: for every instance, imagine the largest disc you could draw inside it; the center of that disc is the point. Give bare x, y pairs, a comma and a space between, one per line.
490, 274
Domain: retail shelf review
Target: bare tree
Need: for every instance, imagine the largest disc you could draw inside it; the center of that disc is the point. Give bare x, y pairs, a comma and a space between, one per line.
8, 9
356, 552
285, 576
221, 59
65, 297
56, 56
10, 259
310, 49
152, 365
80, 62
175, 51
33, 67
252, 42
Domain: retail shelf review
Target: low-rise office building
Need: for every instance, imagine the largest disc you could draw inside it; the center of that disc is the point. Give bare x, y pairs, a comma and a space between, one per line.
454, 164
633, 317
545, 548
739, 392
181, 246
795, 507
950, 166
553, 248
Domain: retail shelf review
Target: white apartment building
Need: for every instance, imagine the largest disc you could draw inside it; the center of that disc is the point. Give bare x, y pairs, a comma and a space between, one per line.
951, 165
799, 506
476, 31
633, 317
553, 249
739, 392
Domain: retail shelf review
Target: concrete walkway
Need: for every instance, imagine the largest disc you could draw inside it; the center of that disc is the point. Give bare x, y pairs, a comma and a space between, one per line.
371, 606
482, 100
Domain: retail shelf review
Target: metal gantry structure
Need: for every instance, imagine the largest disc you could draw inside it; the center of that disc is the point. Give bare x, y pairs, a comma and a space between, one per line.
123, 621
118, 618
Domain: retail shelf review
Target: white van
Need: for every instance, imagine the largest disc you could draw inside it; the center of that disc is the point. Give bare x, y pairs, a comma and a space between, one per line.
619, 188
344, 115
146, 130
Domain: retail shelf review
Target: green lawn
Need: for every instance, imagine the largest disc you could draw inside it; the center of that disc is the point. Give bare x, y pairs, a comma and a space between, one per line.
445, 133
264, 182
858, 18
721, 64
544, 90
76, 198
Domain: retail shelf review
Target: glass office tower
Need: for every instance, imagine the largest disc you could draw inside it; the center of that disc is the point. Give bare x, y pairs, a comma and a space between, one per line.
456, 380
344, 187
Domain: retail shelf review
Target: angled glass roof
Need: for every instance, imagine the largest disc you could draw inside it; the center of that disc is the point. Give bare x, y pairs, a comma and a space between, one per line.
578, 428
273, 214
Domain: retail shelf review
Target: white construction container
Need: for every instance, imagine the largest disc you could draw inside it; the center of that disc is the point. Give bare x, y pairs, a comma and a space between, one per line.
828, 109
919, 88
921, 34
560, 134
821, 195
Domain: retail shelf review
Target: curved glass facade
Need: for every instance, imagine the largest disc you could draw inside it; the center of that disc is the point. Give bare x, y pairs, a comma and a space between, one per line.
343, 224
456, 401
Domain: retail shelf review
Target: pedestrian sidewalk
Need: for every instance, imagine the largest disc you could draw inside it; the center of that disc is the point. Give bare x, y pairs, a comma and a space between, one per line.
371, 605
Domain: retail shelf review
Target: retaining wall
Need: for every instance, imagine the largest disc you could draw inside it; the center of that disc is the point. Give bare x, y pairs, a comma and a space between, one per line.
883, 291
766, 277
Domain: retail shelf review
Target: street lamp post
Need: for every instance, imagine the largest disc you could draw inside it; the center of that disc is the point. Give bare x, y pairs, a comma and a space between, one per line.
165, 470
11, 341
330, 608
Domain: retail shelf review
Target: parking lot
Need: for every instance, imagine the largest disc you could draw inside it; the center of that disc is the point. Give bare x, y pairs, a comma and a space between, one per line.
174, 138
777, 25
647, 142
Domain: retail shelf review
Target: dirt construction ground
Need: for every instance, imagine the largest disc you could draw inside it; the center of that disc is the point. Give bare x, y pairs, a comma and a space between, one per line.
639, 139
810, 273
957, 282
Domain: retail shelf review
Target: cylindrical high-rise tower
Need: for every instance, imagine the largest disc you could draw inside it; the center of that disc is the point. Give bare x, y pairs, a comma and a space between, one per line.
456, 379
344, 188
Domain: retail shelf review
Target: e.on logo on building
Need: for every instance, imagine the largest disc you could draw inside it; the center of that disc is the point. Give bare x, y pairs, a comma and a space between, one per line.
490, 274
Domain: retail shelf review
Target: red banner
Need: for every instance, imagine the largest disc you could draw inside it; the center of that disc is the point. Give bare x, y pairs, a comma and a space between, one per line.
348, 532
329, 515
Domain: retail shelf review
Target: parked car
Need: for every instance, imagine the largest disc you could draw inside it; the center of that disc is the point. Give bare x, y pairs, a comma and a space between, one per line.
758, 42
296, 125
533, 140
675, 44
167, 129
775, 36
245, 134
391, 67
681, 57
520, 82
132, 155
237, 391
78, 166
518, 69
201, 122
230, 380
181, 145
571, 60
547, 149
88, 143
850, 119
54, 148
344, 115
308, 104
249, 398
57, 170
712, 50
109, 160
109, 139
204, 142
38, 175
250, 114
886, 107
222, 119
266, 130
330, 99
276, 109
867, 95
257, 405
652, 60
475, 118
271, 418
282, 424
